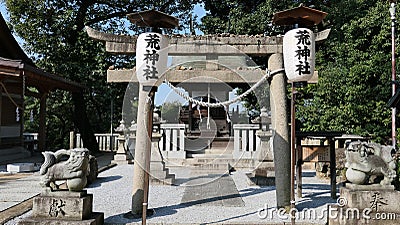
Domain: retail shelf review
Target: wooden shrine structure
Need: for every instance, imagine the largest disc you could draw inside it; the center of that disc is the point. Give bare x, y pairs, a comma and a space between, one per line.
17, 74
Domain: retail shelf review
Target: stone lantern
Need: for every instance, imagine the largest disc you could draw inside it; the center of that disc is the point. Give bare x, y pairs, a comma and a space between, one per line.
265, 169
122, 155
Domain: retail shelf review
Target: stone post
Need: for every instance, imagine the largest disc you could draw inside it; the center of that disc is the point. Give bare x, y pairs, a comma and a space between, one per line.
143, 144
280, 131
72, 140
42, 122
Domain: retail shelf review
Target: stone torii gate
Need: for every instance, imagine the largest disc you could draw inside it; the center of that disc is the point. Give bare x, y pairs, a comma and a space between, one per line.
213, 46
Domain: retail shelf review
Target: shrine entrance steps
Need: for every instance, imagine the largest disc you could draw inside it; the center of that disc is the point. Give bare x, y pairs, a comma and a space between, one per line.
216, 158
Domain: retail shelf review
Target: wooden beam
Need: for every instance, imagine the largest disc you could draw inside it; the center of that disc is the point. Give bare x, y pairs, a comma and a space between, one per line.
212, 76
42, 123
332, 166
179, 76
299, 171
200, 45
1, 107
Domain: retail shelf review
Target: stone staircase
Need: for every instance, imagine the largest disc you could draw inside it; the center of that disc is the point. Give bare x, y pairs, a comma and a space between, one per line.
217, 158
160, 175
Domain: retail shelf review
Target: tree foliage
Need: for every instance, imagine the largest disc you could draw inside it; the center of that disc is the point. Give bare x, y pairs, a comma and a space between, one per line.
170, 111
355, 73
354, 62
54, 35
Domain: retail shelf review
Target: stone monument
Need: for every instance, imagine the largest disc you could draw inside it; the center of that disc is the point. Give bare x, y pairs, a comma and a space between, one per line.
369, 198
64, 206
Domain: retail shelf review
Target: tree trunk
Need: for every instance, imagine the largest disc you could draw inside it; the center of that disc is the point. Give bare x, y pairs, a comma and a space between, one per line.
82, 122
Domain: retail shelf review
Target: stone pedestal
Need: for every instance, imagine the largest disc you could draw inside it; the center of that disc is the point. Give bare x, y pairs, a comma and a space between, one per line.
159, 174
122, 156
64, 207
366, 204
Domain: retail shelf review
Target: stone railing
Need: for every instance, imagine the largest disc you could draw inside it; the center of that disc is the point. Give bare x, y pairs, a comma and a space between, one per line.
31, 136
31, 141
172, 143
246, 141
107, 142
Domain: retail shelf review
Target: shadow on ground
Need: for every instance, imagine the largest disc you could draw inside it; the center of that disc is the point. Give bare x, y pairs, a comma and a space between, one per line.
101, 180
173, 209
315, 199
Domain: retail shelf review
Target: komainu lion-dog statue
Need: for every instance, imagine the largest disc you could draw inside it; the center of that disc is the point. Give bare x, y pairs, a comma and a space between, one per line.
368, 160
74, 170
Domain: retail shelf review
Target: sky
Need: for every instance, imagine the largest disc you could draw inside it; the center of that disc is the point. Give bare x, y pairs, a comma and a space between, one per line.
164, 93
3, 9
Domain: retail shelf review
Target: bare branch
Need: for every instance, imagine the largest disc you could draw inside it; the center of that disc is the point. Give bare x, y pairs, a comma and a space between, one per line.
106, 17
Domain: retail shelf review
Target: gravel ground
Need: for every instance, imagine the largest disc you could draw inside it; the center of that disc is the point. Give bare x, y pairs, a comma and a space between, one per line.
166, 200
112, 195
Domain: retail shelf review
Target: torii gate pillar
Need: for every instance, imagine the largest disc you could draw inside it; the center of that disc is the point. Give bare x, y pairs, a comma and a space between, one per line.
280, 128
143, 146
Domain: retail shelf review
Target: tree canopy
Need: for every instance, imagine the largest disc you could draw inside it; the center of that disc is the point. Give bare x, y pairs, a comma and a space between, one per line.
53, 33
354, 63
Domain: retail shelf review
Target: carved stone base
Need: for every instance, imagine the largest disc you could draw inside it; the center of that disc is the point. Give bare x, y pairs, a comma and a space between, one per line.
122, 159
366, 204
122, 156
64, 207
264, 172
265, 169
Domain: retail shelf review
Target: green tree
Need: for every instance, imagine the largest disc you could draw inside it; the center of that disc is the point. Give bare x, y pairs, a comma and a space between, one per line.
242, 16
353, 63
53, 33
170, 111
354, 79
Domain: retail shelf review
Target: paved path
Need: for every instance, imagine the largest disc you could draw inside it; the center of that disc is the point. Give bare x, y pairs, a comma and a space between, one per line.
212, 190
202, 198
